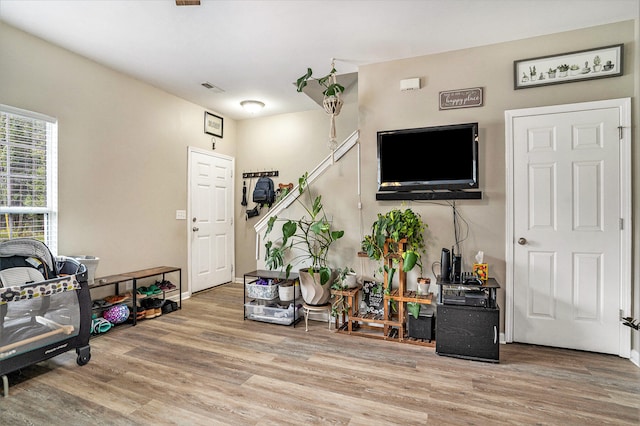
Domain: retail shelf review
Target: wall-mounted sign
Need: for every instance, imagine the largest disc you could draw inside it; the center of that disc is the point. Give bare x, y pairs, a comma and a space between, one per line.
462, 98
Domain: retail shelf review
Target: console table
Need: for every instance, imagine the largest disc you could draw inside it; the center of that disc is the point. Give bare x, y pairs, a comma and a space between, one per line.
464, 330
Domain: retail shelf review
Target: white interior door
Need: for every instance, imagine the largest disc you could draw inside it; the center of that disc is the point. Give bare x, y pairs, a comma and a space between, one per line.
567, 233
211, 221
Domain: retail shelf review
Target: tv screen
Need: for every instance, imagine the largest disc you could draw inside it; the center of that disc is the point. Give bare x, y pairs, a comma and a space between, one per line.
428, 158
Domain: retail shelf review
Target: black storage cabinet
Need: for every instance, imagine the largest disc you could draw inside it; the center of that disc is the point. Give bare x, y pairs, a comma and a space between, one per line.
468, 332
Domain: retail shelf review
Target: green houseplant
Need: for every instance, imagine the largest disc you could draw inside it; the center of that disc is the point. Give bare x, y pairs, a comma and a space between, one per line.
331, 87
308, 239
345, 280
394, 226
331, 103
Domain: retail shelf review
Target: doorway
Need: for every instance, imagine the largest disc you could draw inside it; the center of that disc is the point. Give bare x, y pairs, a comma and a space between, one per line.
568, 225
210, 219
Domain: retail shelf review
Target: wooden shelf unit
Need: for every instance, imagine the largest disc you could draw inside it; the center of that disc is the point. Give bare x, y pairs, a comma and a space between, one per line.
375, 326
134, 276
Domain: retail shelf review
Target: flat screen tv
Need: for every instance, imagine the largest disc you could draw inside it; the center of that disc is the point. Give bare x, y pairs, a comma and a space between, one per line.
428, 158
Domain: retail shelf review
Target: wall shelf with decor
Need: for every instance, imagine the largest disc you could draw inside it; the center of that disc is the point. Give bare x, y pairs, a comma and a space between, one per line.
390, 324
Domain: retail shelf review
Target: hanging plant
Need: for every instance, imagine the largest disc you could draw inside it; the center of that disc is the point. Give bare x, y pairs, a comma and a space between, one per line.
331, 103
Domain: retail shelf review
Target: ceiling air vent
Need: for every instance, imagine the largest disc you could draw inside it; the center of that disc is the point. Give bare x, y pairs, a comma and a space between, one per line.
187, 2
213, 87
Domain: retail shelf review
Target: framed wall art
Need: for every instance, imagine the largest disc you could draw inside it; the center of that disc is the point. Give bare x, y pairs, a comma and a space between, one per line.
602, 62
213, 125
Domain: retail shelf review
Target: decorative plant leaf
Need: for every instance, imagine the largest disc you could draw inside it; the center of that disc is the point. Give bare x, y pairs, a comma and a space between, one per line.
390, 273
317, 205
288, 270
270, 223
316, 227
325, 274
335, 235
410, 259
302, 183
302, 81
288, 230
414, 309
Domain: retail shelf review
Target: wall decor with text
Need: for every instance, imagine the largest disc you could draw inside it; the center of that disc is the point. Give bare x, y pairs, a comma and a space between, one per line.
213, 124
462, 98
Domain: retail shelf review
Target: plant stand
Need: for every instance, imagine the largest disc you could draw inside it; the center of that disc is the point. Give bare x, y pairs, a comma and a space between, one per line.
315, 308
393, 324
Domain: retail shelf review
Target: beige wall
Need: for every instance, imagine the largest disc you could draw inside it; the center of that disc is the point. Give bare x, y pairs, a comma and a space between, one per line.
123, 146
490, 67
122, 153
292, 144
382, 106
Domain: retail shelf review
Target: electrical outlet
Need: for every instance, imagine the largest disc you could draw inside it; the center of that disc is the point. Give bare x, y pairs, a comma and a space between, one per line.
181, 214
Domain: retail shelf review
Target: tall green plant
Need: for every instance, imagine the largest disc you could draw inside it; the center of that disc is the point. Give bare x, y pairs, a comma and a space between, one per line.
395, 226
312, 234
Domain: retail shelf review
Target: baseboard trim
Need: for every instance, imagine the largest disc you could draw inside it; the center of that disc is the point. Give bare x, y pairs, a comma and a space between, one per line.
635, 357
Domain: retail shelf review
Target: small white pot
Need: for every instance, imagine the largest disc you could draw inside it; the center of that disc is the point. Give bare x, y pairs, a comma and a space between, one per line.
287, 293
350, 280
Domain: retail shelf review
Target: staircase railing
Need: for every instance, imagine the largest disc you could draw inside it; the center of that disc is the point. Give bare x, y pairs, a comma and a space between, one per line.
285, 202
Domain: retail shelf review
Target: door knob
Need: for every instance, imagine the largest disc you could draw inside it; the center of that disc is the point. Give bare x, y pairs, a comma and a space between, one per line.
195, 229
522, 241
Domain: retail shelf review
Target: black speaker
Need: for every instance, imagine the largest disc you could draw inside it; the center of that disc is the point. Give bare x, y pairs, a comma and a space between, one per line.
445, 265
456, 269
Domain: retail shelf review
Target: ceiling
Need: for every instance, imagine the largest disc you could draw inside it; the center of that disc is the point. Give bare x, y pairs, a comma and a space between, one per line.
257, 49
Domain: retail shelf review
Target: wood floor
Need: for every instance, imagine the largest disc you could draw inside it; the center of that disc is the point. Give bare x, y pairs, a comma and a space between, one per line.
204, 365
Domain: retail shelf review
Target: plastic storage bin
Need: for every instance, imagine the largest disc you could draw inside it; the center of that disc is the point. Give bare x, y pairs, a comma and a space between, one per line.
272, 313
261, 291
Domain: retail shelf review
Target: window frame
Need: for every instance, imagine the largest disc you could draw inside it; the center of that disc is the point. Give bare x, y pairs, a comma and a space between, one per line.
50, 212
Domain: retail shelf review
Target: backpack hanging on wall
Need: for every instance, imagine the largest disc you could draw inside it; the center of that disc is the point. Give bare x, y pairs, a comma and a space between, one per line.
264, 192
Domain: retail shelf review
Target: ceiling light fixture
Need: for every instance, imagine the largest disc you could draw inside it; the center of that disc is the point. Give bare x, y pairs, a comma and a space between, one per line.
252, 106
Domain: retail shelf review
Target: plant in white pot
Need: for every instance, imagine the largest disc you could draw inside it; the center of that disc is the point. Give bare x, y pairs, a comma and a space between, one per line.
308, 240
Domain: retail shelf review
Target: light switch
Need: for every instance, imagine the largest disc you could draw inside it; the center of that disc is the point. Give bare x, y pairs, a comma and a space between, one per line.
181, 214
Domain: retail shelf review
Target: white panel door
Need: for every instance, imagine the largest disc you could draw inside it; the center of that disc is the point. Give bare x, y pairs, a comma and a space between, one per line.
211, 223
566, 213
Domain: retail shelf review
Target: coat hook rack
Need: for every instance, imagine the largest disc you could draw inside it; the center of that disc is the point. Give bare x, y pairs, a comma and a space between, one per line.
250, 175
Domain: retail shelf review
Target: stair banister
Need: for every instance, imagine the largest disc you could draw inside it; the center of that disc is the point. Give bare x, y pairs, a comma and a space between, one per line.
284, 203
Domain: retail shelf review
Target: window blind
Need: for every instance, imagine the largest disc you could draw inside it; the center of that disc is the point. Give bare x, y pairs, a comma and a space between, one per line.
28, 176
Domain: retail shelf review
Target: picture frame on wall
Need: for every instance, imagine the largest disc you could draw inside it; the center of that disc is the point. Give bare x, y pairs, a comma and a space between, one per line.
590, 64
213, 125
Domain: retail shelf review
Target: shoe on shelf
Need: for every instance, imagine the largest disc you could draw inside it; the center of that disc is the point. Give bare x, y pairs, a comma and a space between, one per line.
116, 298
169, 306
153, 289
166, 285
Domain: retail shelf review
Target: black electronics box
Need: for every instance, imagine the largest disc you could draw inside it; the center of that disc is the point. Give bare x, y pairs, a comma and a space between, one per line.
476, 298
423, 327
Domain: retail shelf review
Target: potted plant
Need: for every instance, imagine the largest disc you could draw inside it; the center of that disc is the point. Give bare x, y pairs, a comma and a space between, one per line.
552, 72
345, 280
574, 69
563, 69
308, 239
331, 103
597, 64
394, 226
